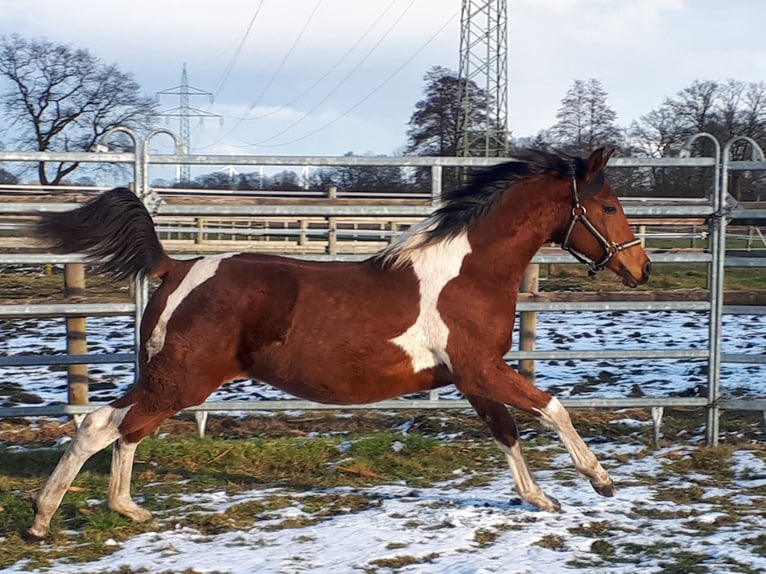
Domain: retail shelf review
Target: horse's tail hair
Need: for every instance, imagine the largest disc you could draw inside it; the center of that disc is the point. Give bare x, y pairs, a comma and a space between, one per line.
114, 229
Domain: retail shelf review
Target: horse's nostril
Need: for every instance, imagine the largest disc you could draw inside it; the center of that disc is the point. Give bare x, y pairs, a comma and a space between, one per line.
647, 269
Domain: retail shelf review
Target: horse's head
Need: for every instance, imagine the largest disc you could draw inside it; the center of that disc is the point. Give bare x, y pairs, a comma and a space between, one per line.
598, 233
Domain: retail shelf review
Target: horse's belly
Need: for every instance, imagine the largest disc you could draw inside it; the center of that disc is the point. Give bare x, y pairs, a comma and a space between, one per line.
349, 379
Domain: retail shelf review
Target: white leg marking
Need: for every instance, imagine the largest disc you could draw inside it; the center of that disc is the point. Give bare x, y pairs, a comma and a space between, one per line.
557, 417
99, 429
200, 272
119, 483
528, 489
426, 340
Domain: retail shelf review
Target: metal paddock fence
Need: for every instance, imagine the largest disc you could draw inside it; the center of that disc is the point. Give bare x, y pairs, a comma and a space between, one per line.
714, 208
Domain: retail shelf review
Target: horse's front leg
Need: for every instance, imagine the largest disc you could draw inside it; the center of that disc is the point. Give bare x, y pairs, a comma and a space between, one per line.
500, 422
498, 382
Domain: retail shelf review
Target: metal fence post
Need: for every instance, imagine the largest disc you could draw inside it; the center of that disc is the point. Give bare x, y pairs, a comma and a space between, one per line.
717, 248
436, 185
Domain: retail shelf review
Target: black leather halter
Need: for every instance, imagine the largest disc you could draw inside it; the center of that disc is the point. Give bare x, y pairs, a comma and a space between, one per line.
579, 213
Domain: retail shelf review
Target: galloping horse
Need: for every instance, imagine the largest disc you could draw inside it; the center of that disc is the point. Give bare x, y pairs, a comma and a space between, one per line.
435, 308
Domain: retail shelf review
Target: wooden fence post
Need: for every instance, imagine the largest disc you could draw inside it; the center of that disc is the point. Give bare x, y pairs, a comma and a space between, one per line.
530, 283
200, 236
332, 232
76, 335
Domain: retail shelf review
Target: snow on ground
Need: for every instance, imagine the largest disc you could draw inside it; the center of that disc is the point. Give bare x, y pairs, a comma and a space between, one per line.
456, 530
452, 530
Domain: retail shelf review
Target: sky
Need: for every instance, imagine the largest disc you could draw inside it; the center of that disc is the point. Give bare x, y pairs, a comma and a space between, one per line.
328, 77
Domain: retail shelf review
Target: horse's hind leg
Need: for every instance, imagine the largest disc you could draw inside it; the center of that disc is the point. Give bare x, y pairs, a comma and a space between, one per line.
500, 422
97, 431
134, 429
119, 482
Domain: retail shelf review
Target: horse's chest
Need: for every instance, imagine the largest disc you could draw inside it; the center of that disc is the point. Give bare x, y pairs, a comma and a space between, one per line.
425, 341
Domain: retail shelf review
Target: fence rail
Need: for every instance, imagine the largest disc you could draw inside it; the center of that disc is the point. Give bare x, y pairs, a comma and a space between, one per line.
713, 212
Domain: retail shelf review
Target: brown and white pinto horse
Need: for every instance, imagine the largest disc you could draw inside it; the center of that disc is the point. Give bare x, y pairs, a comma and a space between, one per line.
433, 309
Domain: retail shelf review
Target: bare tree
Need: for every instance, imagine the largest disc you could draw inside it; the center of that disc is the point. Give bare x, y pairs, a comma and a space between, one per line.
722, 109
585, 120
59, 98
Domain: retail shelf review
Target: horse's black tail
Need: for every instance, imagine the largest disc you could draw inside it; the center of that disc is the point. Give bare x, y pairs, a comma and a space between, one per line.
114, 229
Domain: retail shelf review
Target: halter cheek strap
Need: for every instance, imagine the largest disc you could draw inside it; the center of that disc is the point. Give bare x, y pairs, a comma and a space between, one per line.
579, 213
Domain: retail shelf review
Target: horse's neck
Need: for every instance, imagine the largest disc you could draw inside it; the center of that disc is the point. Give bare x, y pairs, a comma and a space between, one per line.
509, 238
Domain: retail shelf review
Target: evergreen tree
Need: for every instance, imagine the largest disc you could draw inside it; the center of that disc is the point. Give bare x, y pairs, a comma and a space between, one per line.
434, 124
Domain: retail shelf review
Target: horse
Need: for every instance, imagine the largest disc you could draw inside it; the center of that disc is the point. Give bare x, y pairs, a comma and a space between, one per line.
434, 308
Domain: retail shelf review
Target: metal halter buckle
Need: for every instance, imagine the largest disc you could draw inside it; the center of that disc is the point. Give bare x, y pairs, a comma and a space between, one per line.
579, 213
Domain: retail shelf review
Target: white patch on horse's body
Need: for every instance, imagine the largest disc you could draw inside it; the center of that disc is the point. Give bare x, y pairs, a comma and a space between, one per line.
200, 272
426, 340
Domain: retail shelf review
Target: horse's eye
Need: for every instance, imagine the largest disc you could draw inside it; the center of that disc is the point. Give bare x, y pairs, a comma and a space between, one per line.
610, 209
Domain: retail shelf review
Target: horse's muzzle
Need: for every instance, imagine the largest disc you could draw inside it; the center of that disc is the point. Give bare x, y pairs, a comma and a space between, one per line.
628, 278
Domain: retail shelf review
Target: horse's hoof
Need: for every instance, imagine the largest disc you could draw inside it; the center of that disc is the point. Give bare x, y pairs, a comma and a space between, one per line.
138, 514
545, 503
131, 510
554, 506
33, 535
606, 489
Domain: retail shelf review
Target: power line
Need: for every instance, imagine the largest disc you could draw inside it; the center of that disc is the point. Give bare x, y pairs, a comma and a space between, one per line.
333, 67
271, 80
284, 60
345, 78
362, 100
321, 78
227, 70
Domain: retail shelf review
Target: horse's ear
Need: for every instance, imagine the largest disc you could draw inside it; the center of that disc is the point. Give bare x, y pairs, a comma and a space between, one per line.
594, 171
597, 161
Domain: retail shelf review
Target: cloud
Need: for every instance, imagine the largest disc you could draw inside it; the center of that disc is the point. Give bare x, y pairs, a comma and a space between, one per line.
642, 51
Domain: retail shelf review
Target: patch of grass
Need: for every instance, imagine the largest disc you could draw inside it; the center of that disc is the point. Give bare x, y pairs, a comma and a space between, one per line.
167, 469
641, 510
685, 562
708, 527
756, 543
334, 504
604, 549
484, 537
293, 522
715, 461
237, 517
593, 529
398, 562
552, 542
687, 494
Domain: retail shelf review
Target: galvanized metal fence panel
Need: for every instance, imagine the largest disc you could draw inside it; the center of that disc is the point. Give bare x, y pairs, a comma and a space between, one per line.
713, 211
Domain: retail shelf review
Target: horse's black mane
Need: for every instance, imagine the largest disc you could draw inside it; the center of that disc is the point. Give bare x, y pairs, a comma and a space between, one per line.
463, 206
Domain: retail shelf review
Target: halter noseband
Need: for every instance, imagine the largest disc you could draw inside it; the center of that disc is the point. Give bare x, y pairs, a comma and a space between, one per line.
579, 213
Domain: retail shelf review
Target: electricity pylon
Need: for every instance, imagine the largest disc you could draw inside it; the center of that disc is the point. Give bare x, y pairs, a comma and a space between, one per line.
183, 112
483, 68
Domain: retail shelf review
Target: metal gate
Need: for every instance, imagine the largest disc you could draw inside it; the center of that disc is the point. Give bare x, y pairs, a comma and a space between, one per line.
716, 210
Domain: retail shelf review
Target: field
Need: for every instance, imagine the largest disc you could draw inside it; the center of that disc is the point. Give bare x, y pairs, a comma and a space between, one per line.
395, 492
377, 493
